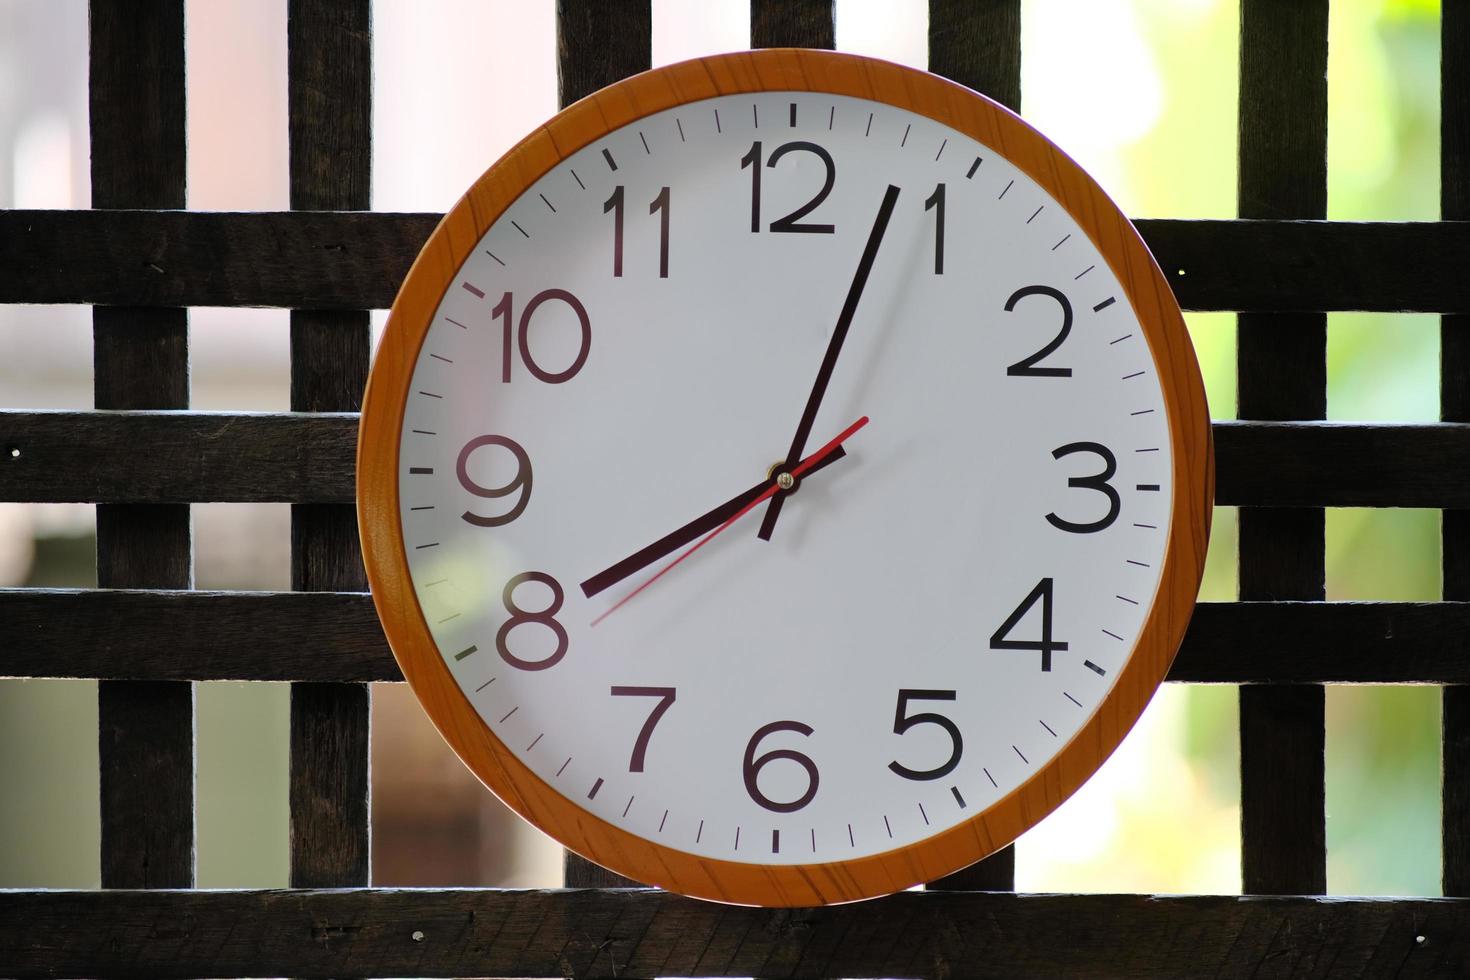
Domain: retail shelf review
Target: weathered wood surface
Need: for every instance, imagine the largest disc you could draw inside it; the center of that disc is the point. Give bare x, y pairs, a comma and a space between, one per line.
978, 44
1282, 372
347, 260
329, 84
141, 361
1454, 346
187, 635
644, 933
793, 24
598, 43
174, 457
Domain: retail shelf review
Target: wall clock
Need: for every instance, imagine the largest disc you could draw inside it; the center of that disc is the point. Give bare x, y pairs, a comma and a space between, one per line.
785, 477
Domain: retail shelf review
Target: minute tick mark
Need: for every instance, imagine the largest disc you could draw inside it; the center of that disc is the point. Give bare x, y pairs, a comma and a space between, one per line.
1131, 602
1135, 374
678, 122
511, 712
578, 179
487, 684
1007, 189
755, 116
456, 322
1083, 272
421, 547
493, 256
520, 229
941, 149
547, 203
990, 777
646, 150
1035, 213
904, 142
1021, 754
1048, 728
1072, 699
1061, 243
1113, 635
870, 125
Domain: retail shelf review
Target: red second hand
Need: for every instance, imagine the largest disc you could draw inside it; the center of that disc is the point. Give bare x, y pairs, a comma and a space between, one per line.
796, 472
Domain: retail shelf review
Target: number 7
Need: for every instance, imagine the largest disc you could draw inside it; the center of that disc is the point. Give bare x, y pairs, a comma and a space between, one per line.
666, 698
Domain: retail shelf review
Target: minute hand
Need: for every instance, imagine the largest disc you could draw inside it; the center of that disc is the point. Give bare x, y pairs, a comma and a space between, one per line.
834, 347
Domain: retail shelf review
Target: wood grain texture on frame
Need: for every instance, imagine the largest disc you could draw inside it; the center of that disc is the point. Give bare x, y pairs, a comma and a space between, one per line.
433, 272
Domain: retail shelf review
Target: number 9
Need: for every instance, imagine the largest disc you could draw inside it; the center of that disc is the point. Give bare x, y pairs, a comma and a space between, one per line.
521, 481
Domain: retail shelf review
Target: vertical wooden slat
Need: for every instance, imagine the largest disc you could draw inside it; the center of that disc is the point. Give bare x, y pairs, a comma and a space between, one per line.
1454, 154
978, 44
1282, 374
141, 361
598, 43
793, 24
330, 96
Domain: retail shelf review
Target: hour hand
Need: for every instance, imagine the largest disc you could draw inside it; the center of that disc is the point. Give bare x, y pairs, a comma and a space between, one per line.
706, 522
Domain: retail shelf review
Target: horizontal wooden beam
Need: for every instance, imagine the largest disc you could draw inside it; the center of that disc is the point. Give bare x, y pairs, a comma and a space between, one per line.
195, 457
646, 933
335, 636
351, 260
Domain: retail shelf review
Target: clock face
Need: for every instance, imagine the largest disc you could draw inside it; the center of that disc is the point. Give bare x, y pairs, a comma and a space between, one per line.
783, 478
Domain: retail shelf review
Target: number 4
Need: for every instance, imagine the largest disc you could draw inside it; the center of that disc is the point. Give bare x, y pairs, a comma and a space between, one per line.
1046, 644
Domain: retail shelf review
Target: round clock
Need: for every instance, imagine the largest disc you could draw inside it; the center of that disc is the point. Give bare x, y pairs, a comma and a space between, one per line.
785, 477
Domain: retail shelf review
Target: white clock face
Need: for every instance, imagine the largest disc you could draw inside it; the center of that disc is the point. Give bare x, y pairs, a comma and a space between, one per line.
938, 609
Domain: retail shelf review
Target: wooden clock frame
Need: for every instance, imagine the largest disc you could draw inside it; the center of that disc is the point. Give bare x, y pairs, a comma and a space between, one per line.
434, 272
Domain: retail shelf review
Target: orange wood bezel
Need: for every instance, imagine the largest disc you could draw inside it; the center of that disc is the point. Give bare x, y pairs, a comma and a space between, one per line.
434, 272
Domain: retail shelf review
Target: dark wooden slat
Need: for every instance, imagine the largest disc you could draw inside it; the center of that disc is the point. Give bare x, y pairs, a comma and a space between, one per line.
978, 44
309, 457
1282, 374
645, 932
1454, 346
330, 98
347, 260
141, 361
189, 456
793, 24
598, 43
256, 636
